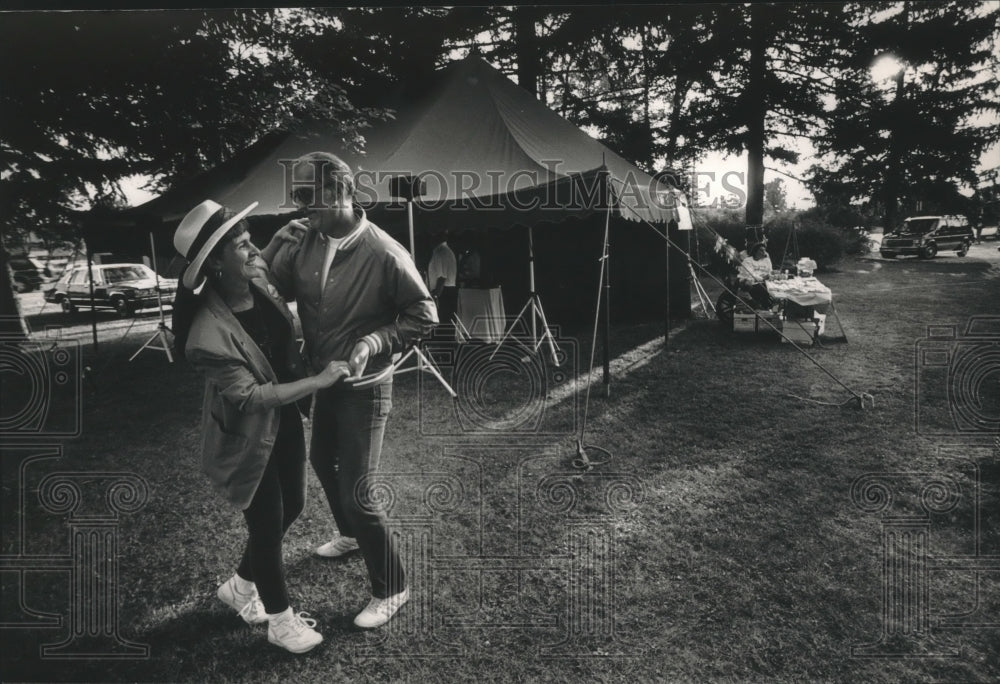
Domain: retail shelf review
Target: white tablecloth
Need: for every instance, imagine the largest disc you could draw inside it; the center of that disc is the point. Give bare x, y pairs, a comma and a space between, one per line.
802, 291
482, 313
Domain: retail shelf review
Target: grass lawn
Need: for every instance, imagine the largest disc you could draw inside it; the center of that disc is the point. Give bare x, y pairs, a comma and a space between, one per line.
718, 540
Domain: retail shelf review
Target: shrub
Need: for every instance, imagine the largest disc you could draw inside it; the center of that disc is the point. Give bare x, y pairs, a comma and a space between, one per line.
710, 223
821, 242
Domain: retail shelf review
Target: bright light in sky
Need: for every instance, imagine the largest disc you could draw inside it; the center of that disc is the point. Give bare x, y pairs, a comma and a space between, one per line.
886, 67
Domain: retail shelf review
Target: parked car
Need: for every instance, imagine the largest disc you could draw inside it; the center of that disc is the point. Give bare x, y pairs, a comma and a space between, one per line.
925, 236
25, 274
988, 232
50, 267
126, 288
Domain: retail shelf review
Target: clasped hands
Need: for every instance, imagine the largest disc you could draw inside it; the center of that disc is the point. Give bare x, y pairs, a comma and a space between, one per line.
352, 368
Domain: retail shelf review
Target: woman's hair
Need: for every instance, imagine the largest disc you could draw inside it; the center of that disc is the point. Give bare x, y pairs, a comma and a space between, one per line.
187, 303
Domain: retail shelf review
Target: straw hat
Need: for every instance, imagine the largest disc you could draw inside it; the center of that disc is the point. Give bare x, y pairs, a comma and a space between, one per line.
199, 232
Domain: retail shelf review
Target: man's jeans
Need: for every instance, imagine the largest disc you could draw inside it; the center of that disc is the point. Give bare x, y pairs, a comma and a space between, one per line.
347, 430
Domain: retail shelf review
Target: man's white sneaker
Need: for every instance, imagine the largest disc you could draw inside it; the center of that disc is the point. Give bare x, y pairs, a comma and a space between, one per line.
293, 631
380, 611
338, 547
246, 605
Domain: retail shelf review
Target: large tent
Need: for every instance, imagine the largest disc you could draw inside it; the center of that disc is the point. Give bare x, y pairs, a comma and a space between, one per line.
474, 133
491, 155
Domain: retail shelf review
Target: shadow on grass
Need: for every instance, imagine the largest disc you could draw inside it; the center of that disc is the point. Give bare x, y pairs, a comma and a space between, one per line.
83, 318
940, 265
745, 560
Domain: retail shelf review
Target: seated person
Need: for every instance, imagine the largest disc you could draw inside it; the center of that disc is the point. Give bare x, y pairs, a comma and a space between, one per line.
753, 271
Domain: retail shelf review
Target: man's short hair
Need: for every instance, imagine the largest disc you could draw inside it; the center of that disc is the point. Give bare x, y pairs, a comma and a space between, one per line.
333, 170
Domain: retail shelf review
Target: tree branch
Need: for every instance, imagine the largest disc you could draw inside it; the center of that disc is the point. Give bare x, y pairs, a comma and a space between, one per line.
784, 173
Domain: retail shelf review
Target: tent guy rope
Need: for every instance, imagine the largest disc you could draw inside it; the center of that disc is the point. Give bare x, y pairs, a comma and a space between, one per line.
861, 399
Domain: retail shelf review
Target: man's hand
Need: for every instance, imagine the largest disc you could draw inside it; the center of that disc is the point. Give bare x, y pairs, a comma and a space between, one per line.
291, 232
359, 359
334, 371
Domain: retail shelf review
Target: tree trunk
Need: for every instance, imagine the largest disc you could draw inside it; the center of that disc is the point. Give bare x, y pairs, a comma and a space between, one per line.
899, 119
647, 133
673, 125
892, 172
756, 109
11, 323
526, 48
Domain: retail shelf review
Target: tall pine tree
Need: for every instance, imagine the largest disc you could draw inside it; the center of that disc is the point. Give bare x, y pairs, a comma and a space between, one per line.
915, 135
769, 85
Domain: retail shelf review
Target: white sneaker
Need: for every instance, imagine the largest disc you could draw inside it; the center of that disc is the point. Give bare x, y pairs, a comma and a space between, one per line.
293, 631
247, 606
380, 611
338, 547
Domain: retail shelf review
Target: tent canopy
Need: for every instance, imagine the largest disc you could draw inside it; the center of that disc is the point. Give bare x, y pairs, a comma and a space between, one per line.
476, 139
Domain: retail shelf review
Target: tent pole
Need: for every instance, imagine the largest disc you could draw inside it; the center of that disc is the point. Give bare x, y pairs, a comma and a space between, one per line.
409, 220
413, 253
531, 278
666, 311
93, 309
607, 286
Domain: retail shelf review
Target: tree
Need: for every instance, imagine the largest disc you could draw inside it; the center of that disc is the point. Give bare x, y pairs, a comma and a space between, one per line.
775, 196
631, 76
919, 140
374, 49
91, 98
768, 85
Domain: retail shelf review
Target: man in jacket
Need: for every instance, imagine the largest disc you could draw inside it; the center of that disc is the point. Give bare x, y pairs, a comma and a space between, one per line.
359, 298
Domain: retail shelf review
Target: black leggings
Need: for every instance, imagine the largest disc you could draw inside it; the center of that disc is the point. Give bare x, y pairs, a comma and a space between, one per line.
278, 501
758, 292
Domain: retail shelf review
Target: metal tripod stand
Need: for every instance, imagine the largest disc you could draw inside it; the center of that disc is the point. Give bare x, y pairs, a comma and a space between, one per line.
423, 362
536, 314
161, 328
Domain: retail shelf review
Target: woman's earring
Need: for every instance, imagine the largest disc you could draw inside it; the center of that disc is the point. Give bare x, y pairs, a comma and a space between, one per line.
218, 274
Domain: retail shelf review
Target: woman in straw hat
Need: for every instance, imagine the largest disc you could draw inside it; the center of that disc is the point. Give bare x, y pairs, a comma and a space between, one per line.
232, 325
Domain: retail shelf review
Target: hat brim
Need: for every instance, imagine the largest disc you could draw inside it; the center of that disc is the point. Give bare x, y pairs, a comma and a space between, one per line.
192, 274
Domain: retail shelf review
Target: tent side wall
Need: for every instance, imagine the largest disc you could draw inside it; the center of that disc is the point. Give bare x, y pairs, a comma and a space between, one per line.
567, 265
566, 259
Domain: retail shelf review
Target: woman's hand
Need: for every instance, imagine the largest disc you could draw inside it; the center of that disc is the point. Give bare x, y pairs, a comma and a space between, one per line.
334, 371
